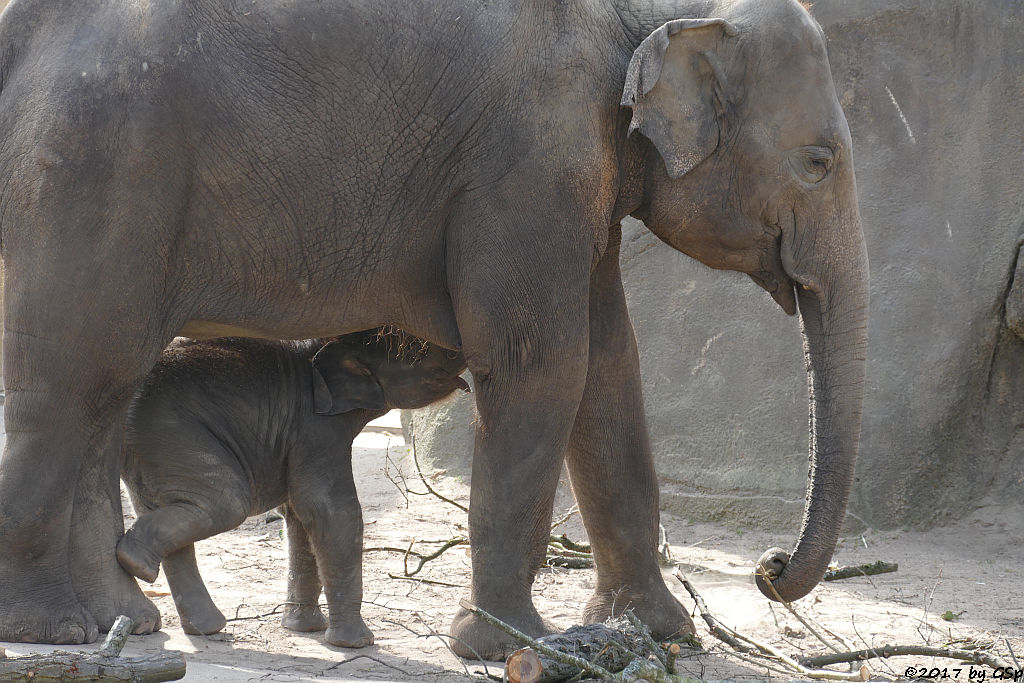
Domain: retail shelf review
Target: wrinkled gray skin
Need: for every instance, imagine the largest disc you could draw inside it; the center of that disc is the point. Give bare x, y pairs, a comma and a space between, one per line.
225, 429
459, 169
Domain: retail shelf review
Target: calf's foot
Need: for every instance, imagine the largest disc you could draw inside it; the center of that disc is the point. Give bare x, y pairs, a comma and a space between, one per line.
304, 618
201, 621
349, 632
137, 558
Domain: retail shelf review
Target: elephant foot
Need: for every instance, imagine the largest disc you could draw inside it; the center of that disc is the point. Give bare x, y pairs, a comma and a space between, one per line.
305, 619
199, 616
137, 558
122, 595
351, 632
202, 622
35, 612
655, 607
476, 639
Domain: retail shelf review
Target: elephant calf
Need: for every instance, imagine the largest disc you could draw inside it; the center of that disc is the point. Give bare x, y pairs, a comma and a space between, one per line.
229, 428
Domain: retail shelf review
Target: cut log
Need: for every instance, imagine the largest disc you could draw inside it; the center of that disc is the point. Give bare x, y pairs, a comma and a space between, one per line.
523, 666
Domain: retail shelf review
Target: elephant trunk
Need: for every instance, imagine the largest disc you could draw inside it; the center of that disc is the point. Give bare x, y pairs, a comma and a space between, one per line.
832, 294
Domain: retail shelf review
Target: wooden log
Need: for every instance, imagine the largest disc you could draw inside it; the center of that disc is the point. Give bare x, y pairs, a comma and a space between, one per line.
523, 666
82, 666
104, 666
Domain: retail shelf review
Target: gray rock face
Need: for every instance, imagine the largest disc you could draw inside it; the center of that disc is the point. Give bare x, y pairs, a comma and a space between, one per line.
934, 94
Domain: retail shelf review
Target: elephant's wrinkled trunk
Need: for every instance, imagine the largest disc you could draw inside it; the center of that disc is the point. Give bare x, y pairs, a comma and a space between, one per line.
833, 300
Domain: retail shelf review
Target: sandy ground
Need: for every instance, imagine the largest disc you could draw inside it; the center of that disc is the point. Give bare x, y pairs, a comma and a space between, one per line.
972, 571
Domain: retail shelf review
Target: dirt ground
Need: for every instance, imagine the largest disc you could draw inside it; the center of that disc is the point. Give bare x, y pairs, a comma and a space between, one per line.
972, 571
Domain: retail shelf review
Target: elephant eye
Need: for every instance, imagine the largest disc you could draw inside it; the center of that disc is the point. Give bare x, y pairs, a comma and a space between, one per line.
812, 164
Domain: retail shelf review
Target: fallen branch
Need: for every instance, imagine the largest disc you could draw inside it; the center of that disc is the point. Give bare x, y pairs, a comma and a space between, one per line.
886, 651
568, 544
824, 641
717, 628
860, 570
734, 638
429, 582
105, 665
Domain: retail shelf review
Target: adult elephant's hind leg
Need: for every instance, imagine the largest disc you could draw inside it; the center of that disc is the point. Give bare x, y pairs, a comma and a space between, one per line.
612, 470
523, 323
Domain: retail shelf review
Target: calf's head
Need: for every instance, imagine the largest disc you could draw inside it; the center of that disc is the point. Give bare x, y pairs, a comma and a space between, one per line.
381, 370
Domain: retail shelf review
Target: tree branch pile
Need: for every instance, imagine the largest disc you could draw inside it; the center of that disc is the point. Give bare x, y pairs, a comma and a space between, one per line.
623, 650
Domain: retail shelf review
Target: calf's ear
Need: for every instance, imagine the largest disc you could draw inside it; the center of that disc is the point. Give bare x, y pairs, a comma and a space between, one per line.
672, 83
341, 383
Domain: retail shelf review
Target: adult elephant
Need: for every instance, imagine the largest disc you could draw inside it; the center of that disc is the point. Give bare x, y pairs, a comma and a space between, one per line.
459, 169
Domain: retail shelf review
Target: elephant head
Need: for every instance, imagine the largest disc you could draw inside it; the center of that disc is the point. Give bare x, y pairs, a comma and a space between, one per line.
381, 370
749, 167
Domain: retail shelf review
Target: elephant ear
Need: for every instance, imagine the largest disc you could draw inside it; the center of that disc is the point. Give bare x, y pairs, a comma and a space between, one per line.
342, 383
671, 85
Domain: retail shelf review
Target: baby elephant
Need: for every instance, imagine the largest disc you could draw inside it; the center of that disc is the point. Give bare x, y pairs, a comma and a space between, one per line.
229, 428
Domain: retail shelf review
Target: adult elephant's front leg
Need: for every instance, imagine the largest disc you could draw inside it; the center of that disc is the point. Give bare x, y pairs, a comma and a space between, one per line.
525, 340
612, 470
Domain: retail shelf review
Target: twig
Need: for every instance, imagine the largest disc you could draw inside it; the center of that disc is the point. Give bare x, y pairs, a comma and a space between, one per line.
927, 606
566, 517
860, 570
404, 488
815, 674
973, 656
271, 613
458, 540
799, 618
437, 635
732, 638
645, 634
434, 634
372, 659
429, 582
1013, 656
752, 659
427, 485
718, 629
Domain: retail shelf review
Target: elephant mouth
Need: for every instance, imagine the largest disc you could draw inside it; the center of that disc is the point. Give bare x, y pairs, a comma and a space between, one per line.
780, 286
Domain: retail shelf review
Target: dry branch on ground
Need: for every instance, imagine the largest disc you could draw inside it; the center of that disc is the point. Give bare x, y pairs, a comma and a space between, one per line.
105, 665
878, 567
